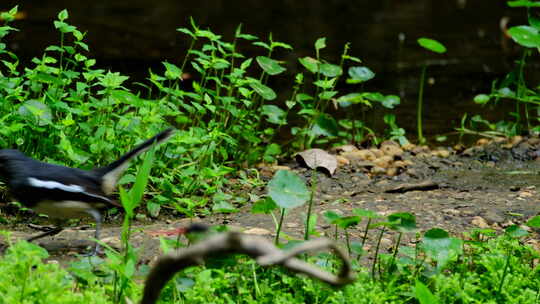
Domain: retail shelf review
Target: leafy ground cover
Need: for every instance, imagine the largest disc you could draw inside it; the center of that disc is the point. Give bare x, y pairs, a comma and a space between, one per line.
62, 109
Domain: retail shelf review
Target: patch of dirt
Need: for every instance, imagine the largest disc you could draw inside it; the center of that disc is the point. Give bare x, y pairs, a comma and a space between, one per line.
493, 186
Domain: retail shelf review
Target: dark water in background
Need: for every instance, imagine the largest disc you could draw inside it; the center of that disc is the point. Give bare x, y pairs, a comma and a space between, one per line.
132, 36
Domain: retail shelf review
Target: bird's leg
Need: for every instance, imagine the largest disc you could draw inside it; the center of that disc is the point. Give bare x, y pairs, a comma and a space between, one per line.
97, 217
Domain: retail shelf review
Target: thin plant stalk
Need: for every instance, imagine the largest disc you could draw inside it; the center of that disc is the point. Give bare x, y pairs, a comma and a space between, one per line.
366, 232
505, 272
421, 138
276, 241
376, 254
310, 206
396, 248
347, 241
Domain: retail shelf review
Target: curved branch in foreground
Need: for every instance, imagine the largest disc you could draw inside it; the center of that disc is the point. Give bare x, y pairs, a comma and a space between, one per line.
258, 248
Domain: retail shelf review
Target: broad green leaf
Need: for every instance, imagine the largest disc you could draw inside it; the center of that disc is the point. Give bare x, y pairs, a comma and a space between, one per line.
432, 45
423, 294
515, 231
270, 65
439, 246
331, 217
534, 222
360, 74
288, 190
320, 43
348, 221
311, 64
274, 114
366, 213
403, 221
481, 99
525, 35
36, 111
271, 152
390, 101
330, 70
224, 207
352, 98
325, 125
523, 3
265, 206
265, 92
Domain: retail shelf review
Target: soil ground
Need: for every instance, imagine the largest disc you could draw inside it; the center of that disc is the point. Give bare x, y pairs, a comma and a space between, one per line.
492, 188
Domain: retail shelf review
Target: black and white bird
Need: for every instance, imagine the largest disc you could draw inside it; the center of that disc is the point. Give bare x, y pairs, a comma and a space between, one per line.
62, 192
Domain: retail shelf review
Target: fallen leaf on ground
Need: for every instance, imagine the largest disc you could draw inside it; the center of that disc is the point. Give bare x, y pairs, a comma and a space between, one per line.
318, 158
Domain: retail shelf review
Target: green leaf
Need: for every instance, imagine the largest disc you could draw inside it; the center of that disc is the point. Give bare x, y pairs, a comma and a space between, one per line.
264, 91
136, 193
325, 125
390, 101
270, 65
352, 98
331, 217
36, 112
224, 207
526, 36
360, 74
311, 64
288, 190
153, 209
423, 294
523, 3
403, 221
172, 71
265, 206
439, 246
366, 213
348, 221
432, 45
534, 222
481, 99
63, 15
515, 231
330, 70
320, 43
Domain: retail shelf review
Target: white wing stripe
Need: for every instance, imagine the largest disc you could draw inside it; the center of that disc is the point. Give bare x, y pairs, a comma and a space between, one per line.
69, 188
54, 185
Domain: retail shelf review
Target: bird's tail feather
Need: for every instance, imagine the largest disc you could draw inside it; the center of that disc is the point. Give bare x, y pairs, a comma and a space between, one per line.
112, 172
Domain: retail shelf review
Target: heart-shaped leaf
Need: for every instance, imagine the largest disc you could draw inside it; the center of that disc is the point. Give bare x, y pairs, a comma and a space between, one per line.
403, 221
325, 125
288, 190
439, 246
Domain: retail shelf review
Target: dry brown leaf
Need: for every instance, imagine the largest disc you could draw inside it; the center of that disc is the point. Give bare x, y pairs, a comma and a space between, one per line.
318, 158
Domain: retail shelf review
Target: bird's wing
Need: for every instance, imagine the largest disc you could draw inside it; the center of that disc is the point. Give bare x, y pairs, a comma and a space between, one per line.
38, 189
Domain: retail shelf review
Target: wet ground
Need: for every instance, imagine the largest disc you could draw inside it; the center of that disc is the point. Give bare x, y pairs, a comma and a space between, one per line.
491, 186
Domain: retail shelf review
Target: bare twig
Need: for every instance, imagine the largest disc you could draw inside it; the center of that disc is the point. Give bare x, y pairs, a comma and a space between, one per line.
258, 248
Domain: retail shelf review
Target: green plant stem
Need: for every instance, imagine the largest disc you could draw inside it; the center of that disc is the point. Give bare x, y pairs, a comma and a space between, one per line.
276, 241
366, 232
396, 248
421, 138
347, 241
310, 205
505, 272
376, 254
